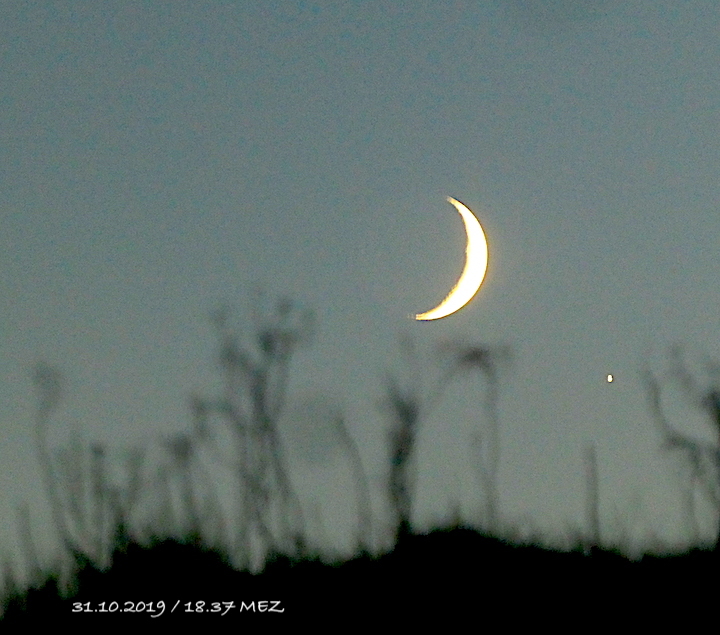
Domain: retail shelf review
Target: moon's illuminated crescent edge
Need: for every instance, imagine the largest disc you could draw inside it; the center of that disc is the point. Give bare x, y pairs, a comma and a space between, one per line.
476, 259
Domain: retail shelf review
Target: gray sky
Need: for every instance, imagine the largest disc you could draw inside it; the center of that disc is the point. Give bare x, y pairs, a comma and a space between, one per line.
162, 158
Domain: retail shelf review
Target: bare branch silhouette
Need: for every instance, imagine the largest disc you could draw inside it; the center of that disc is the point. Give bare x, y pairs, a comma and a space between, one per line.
489, 361
256, 376
702, 458
407, 409
592, 509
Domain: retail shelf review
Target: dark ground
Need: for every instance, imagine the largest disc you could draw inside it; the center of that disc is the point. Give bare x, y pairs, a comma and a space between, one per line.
453, 574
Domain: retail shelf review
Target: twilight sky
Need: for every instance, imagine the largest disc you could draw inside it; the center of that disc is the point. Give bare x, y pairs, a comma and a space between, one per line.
160, 159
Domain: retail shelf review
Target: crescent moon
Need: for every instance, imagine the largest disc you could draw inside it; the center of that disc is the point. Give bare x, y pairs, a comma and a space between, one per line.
476, 259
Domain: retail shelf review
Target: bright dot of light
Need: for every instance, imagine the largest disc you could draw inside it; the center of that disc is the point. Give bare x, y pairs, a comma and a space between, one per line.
610, 379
